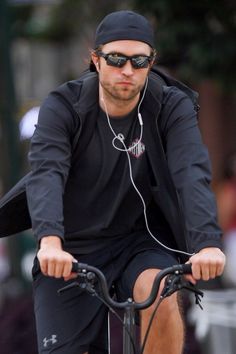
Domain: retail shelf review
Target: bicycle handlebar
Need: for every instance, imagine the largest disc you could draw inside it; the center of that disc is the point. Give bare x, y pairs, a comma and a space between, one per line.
83, 269
181, 268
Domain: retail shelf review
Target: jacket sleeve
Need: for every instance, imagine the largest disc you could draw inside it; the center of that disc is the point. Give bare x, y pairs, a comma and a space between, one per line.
190, 169
49, 157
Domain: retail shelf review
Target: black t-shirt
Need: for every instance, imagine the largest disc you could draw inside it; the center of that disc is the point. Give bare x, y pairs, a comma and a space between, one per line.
105, 204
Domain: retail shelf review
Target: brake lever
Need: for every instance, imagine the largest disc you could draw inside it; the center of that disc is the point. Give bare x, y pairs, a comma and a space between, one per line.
87, 283
172, 284
68, 287
175, 282
198, 293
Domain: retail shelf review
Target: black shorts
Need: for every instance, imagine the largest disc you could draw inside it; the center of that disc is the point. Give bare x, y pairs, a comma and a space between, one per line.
75, 322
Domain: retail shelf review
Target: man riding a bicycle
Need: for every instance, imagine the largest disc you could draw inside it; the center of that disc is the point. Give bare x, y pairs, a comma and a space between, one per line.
131, 199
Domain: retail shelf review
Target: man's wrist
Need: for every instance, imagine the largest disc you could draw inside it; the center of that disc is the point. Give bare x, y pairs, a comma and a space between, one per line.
51, 241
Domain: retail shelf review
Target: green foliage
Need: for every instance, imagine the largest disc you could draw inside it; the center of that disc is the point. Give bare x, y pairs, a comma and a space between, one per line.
48, 23
62, 20
19, 16
196, 38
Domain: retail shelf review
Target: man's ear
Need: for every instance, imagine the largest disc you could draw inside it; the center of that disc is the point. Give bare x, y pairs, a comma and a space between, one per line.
154, 57
95, 61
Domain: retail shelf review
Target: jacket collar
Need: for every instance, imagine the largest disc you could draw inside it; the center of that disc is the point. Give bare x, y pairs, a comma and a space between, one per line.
153, 99
88, 98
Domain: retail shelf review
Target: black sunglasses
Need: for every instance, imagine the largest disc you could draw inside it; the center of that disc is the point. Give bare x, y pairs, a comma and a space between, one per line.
118, 60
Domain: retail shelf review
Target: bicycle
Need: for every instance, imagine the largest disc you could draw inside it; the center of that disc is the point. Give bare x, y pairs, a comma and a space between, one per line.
89, 275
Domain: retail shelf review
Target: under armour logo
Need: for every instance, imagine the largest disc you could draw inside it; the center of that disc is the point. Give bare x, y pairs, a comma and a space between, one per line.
51, 340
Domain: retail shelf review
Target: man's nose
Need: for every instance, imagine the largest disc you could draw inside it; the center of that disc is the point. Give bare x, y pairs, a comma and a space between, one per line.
128, 69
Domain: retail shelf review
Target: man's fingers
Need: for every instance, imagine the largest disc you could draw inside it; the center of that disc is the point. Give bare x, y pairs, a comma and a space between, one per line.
43, 267
196, 271
71, 276
207, 264
190, 278
219, 269
67, 269
213, 272
51, 269
55, 263
59, 269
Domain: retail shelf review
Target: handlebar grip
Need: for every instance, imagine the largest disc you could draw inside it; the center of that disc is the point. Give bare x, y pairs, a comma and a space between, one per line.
76, 267
187, 268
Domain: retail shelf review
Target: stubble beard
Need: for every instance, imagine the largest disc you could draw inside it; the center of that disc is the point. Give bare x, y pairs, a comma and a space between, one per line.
120, 95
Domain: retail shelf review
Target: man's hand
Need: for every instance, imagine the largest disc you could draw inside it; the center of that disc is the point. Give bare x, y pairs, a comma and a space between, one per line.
55, 262
206, 264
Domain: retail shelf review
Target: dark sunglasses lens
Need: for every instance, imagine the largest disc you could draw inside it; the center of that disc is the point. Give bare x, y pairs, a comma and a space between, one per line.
140, 62
116, 60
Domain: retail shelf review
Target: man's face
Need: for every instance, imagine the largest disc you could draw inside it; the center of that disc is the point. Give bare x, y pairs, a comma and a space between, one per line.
123, 83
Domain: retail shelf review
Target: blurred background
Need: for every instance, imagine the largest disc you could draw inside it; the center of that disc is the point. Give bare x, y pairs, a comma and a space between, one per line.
46, 42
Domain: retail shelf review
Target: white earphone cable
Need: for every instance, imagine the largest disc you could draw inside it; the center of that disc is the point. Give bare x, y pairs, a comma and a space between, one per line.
145, 208
121, 138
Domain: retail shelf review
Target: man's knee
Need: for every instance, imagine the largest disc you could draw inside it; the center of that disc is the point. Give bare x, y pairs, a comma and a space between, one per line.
143, 284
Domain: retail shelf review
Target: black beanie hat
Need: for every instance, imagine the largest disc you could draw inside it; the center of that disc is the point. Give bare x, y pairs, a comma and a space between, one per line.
122, 25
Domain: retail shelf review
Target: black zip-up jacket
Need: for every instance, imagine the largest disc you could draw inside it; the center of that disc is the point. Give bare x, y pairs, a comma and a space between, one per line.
178, 158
